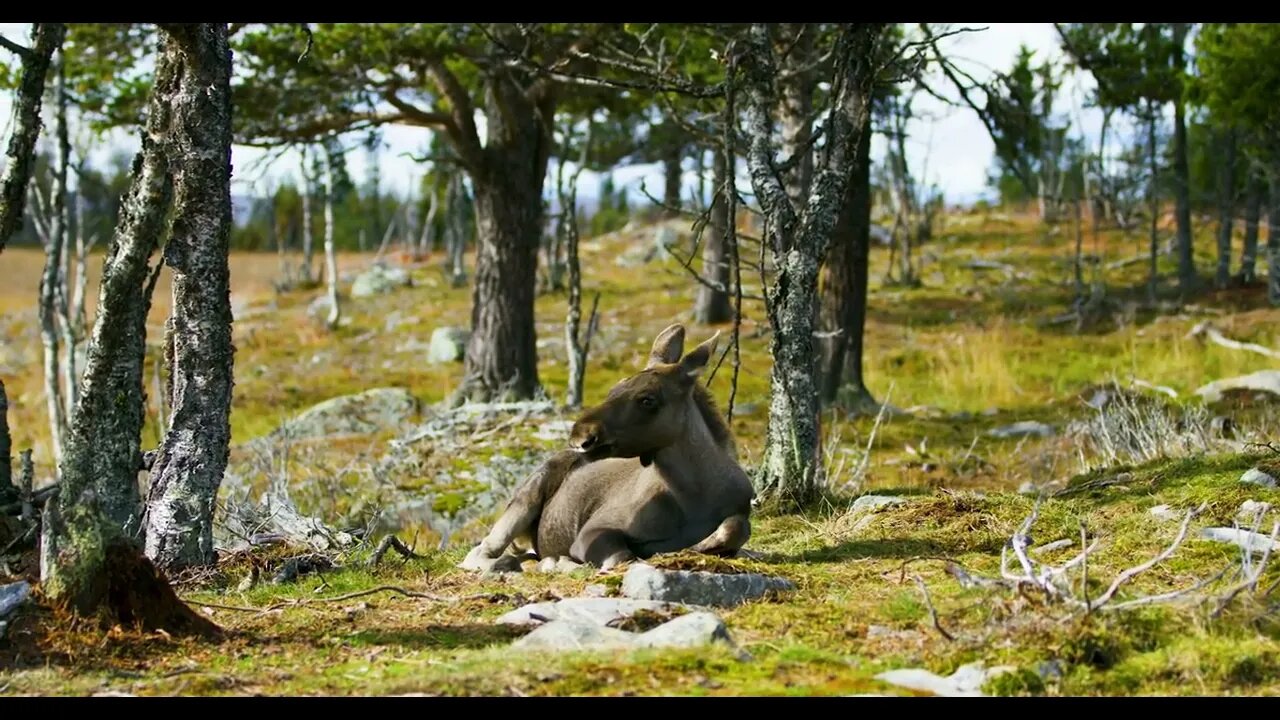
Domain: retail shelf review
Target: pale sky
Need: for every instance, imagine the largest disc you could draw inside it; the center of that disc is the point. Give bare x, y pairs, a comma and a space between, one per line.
949, 146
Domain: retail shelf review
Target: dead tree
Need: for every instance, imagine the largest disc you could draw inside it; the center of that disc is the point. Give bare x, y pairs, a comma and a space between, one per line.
1255, 190
1226, 205
577, 343
89, 560
20, 154
455, 230
189, 466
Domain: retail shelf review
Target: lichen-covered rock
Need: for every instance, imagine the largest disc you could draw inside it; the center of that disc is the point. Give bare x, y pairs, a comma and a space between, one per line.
689, 630
448, 344
12, 596
366, 412
645, 582
1254, 476
377, 280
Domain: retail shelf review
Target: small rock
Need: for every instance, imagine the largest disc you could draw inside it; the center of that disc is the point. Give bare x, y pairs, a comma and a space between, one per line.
1028, 488
1254, 476
448, 344
319, 308
1251, 509
875, 502
991, 412
1050, 670
597, 610
1163, 512
12, 596
595, 590
967, 681
645, 582
1022, 429
690, 630
1252, 541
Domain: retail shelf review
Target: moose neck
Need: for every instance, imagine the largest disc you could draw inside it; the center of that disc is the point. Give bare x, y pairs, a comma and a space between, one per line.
687, 463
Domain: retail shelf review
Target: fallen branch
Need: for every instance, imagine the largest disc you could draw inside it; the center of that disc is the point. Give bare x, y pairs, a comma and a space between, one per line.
1205, 329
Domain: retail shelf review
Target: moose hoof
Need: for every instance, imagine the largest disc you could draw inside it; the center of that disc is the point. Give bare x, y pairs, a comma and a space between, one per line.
478, 561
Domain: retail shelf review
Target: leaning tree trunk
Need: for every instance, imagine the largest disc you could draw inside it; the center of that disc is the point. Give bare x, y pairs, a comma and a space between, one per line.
502, 358
798, 235
191, 461
1273, 244
712, 305
1226, 207
19, 158
1254, 192
96, 507
844, 299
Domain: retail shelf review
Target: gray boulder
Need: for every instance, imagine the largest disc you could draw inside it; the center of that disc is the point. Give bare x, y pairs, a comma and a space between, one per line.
448, 344
378, 280
366, 412
645, 582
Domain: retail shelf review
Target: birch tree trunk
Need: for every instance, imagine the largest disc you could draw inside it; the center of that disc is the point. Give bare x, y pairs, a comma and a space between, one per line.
330, 254
189, 467
308, 241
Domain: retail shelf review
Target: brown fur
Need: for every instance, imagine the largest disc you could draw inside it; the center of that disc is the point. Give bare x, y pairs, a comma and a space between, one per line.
651, 469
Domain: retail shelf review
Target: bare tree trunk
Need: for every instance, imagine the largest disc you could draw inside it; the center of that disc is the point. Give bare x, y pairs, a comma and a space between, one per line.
795, 110
1153, 280
1187, 280
577, 344
1226, 207
791, 474
330, 253
20, 155
844, 297
455, 230
96, 508
711, 305
671, 177
6, 447
188, 469
70, 332
426, 242
1273, 244
308, 242
53, 310
1254, 192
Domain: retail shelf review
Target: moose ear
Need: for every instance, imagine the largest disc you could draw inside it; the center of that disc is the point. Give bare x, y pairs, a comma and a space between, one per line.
667, 347
696, 361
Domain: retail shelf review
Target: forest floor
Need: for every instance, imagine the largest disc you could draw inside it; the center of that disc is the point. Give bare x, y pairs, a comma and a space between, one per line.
969, 351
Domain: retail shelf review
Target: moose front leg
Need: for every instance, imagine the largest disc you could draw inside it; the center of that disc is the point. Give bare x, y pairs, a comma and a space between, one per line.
728, 539
520, 519
603, 547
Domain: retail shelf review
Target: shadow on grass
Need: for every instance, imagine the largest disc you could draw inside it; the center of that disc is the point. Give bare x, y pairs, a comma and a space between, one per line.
440, 637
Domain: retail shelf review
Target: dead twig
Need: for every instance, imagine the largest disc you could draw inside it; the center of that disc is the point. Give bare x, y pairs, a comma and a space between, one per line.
933, 614
391, 542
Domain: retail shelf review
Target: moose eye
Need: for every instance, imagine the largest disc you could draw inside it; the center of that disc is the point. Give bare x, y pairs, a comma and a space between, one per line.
648, 402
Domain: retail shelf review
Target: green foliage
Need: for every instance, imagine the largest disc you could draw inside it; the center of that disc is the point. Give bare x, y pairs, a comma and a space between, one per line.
1239, 79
